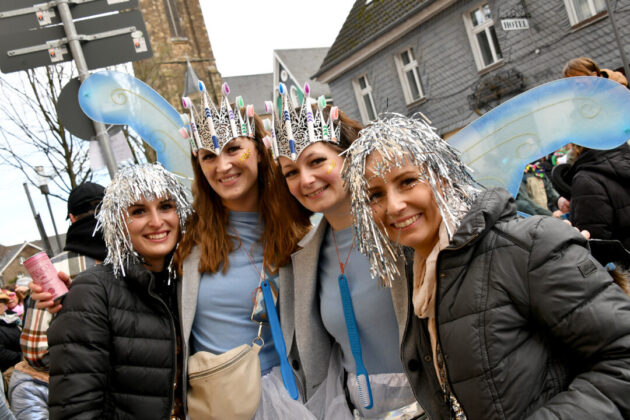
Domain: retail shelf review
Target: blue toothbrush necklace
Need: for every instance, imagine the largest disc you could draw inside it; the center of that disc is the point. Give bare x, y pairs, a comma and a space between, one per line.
363, 379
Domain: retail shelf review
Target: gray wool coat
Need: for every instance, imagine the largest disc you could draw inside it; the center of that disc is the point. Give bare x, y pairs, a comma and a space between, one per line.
308, 343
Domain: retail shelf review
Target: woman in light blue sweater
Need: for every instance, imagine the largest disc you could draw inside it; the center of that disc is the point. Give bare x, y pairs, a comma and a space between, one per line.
315, 324
238, 232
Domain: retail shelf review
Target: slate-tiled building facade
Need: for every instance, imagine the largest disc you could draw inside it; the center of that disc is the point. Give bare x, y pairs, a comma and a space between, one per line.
293, 67
430, 50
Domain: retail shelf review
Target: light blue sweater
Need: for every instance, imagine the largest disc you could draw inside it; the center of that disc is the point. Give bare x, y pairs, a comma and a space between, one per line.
224, 303
373, 307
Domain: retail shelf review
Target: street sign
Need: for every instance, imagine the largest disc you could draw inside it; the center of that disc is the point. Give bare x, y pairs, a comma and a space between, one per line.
106, 41
72, 116
119, 49
93, 42
19, 15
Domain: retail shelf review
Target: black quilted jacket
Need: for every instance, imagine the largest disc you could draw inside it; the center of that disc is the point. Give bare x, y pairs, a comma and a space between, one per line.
112, 349
531, 326
600, 193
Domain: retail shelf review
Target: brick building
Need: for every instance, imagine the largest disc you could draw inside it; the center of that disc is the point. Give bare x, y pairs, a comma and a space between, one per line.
453, 60
177, 33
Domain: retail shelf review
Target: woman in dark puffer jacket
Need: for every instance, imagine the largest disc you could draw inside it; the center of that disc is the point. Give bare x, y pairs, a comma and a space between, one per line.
511, 318
113, 346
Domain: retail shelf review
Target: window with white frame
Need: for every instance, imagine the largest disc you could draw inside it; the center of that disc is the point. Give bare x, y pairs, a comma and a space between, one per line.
580, 10
482, 36
409, 77
363, 92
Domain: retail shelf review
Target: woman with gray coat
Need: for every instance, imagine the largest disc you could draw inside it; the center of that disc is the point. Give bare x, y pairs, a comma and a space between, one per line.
345, 352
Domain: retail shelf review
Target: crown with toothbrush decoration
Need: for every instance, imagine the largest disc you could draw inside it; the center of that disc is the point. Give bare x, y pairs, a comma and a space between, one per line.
293, 130
213, 128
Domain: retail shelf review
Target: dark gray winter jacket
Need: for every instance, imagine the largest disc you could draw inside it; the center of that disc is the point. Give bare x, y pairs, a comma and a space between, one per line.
113, 347
600, 193
530, 325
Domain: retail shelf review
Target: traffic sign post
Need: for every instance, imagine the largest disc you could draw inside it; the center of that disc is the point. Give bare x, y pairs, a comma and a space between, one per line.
79, 59
36, 39
34, 14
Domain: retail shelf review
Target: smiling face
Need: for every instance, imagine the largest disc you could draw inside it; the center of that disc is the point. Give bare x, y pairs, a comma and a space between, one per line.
315, 180
402, 204
233, 174
153, 227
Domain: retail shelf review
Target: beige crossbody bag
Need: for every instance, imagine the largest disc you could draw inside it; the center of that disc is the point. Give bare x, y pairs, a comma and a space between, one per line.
218, 382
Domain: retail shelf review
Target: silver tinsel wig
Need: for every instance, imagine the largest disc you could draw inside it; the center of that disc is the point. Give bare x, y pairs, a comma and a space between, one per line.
404, 141
130, 185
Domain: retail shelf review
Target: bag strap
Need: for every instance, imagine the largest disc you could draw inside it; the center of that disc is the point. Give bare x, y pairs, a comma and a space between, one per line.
278, 340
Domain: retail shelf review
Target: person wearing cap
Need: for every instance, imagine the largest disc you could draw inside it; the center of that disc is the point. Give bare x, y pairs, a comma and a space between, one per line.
81, 238
28, 389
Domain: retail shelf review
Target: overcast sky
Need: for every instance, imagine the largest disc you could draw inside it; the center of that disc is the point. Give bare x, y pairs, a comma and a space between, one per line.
243, 38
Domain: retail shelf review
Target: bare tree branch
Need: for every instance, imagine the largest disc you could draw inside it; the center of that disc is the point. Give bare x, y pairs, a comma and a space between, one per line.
31, 133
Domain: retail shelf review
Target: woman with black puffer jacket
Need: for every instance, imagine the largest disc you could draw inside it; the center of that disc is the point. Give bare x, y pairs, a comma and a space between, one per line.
510, 317
114, 349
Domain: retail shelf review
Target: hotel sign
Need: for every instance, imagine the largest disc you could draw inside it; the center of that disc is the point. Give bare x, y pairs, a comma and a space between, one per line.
515, 24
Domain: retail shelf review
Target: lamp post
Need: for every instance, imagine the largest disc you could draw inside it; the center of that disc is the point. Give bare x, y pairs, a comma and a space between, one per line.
40, 225
42, 179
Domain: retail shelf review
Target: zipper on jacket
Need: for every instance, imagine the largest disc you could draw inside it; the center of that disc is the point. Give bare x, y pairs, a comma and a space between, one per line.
437, 300
173, 340
410, 313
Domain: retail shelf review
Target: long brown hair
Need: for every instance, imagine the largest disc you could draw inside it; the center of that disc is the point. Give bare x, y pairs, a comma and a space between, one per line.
284, 225
582, 66
349, 129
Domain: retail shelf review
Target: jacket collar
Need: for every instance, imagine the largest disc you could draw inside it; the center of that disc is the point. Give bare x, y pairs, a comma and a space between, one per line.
137, 273
316, 234
612, 162
490, 206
